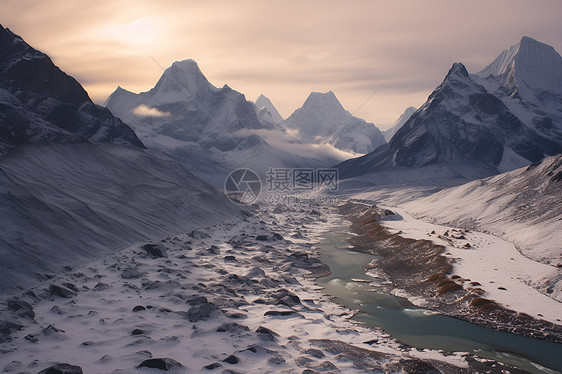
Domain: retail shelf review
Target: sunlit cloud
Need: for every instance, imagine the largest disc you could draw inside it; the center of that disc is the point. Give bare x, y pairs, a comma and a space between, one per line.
289, 142
145, 111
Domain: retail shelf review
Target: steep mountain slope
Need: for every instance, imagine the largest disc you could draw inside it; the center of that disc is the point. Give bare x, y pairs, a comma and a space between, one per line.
389, 133
462, 127
267, 111
41, 104
75, 181
322, 119
522, 206
64, 204
528, 78
210, 131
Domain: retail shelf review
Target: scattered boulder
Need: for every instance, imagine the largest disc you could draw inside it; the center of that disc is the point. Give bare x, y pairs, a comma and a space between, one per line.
130, 273
212, 366
232, 359
278, 237
196, 300
57, 310
314, 352
62, 369
155, 250
61, 291
22, 308
165, 364
52, 331
137, 332
255, 272
282, 297
31, 338
266, 334
6, 328
72, 287
232, 327
197, 234
101, 286
262, 238
276, 360
201, 312
214, 250
138, 308
282, 313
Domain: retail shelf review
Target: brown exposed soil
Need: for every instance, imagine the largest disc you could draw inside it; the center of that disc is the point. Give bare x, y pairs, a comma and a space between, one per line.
420, 268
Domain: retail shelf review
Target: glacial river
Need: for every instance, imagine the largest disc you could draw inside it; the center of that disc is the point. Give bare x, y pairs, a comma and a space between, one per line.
419, 327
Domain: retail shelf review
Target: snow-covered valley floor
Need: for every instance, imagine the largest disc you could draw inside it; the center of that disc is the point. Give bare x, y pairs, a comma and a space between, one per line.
495, 264
231, 298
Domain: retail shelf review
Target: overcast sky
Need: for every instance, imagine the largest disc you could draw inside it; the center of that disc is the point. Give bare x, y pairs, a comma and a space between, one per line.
283, 49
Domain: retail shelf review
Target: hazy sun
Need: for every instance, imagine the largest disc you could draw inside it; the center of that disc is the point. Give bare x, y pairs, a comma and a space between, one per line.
139, 32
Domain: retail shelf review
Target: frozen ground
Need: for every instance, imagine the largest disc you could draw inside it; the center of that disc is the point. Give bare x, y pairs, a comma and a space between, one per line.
228, 298
501, 270
522, 207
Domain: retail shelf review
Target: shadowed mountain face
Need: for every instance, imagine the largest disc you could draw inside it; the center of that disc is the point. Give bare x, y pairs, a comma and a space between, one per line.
41, 104
476, 123
66, 204
527, 77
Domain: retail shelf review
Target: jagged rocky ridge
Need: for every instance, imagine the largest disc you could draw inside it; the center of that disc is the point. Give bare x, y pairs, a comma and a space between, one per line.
40, 104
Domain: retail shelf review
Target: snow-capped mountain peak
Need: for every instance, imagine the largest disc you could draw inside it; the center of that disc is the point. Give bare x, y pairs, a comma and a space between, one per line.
182, 81
458, 70
532, 63
322, 119
326, 102
264, 102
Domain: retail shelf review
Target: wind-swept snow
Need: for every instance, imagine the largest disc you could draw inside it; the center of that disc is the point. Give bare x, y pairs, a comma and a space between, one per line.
69, 204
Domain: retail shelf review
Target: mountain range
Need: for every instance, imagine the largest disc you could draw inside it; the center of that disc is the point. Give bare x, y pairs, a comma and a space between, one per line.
212, 131
506, 116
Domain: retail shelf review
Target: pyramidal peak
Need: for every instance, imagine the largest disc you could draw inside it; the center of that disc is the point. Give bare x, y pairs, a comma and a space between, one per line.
324, 101
532, 62
182, 81
457, 70
263, 102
